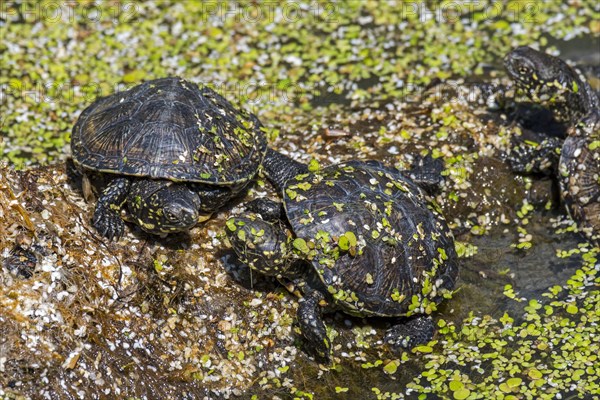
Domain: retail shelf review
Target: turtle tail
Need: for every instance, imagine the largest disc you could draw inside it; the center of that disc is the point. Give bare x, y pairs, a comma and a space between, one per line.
279, 168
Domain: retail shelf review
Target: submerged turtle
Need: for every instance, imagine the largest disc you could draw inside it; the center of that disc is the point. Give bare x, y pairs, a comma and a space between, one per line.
173, 152
358, 237
551, 82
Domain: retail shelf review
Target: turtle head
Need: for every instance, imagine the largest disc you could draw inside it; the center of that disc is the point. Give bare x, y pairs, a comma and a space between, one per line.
262, 245
534, 70
162, 207
546, 79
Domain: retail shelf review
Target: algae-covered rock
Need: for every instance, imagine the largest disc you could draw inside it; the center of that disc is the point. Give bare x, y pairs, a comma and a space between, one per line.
134, 318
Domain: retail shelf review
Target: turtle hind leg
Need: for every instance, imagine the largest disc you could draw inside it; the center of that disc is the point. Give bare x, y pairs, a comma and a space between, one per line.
410, 333
310, 319
107, 216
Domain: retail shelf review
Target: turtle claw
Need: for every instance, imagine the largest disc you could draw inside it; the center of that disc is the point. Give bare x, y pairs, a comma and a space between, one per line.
107, 216
312, 326
108, 223
410, 333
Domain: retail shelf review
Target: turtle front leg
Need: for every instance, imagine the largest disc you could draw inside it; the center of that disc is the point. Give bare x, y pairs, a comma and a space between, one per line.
269, 210
539, 158
426, 172
410, 333
107, 216
310, 319
579, 172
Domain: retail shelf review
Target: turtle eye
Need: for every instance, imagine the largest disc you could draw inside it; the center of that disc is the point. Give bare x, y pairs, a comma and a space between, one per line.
523, 70
170, 216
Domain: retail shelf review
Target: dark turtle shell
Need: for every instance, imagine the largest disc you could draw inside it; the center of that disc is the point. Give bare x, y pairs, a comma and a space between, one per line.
373, 238
171, 129
579, 174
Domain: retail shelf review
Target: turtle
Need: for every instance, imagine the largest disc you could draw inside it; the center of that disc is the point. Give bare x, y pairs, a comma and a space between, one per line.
359, 237
575, 161
169, 150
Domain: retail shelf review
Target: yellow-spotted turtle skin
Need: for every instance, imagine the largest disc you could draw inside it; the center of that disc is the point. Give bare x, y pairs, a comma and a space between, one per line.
551, 82
359, 237
164, 140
